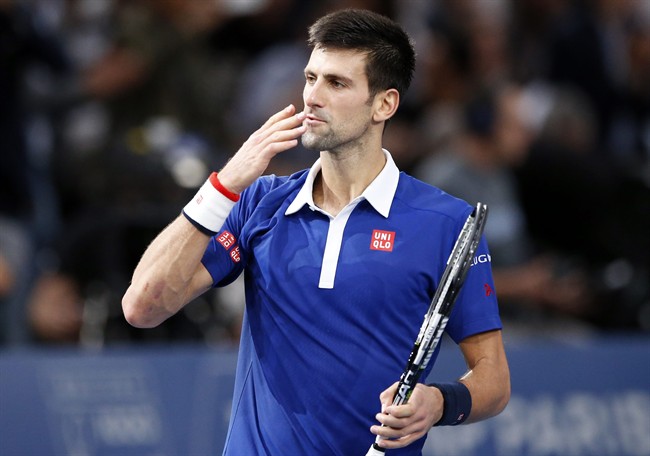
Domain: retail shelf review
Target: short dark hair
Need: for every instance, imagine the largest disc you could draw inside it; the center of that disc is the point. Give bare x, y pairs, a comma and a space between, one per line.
390, 54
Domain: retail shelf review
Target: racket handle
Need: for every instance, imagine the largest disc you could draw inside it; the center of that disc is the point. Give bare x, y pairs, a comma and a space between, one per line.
375, 450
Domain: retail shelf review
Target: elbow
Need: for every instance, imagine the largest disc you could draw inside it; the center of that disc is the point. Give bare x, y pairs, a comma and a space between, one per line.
495, 397
138, 309
504, 397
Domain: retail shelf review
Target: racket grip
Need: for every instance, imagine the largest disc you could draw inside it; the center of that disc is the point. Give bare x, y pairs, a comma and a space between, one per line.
375, 451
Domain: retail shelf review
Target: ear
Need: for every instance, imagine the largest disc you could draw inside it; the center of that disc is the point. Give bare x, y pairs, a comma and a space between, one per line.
385, 105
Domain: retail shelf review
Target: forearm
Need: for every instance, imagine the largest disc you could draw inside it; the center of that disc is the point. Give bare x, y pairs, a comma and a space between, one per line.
488, 378
166, 277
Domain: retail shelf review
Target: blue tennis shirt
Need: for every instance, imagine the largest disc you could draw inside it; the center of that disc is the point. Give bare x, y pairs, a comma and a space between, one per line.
334, 304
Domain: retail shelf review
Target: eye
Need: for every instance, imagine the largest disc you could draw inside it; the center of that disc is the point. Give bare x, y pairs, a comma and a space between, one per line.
310, 79
337, 84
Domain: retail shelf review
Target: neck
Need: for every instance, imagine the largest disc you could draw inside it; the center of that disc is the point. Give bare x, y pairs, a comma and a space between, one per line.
344, 177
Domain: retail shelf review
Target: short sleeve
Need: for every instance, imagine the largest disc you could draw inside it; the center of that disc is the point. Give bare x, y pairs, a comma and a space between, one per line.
476, 309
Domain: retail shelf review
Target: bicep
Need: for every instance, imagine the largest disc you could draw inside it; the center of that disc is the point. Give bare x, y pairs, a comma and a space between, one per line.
485, 346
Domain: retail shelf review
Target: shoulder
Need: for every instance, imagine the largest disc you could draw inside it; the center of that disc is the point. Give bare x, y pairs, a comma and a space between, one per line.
417, 195
268, 194
274, 187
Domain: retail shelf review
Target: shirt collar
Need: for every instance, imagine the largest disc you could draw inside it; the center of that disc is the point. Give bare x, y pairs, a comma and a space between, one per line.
379, 193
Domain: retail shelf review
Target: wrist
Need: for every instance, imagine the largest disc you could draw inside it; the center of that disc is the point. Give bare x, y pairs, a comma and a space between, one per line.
229, 180
210, 207
457, 403
225, 189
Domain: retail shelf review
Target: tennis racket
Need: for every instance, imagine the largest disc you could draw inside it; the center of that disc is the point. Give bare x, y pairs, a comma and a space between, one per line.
438, 313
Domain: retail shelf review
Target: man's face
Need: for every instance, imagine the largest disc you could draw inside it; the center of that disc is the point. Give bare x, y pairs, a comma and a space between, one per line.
336, 97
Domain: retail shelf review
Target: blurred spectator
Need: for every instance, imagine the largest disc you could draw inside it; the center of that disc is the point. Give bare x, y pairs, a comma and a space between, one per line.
164, 91
113, 112
155, 100
601, 49
600, 210
28, 48
25, 42
16, 250
479, 166
55, 309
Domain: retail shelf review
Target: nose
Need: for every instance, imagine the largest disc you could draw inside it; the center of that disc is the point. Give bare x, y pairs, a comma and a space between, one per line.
312, 94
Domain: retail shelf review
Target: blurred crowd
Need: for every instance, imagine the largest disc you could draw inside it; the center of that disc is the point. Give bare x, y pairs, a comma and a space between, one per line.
113, 113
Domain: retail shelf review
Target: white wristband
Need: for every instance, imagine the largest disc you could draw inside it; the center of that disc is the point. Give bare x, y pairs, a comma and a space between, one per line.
209, 208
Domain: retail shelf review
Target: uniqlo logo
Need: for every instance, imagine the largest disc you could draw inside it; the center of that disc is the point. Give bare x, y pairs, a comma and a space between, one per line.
234, 255
382, 240
226, 239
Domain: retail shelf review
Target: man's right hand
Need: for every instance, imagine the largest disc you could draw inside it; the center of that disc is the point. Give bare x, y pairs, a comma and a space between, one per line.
278, 134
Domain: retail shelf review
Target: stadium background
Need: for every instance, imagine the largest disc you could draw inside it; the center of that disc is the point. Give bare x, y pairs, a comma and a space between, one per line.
112, 113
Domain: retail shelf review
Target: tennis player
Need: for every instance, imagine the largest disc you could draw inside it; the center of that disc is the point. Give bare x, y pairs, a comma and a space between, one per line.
340, 261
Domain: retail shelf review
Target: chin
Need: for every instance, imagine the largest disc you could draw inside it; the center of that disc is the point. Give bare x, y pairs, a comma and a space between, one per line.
310, 142
320, 142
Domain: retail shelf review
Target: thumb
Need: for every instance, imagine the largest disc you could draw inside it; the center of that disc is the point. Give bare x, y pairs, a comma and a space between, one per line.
383, 406
386, 397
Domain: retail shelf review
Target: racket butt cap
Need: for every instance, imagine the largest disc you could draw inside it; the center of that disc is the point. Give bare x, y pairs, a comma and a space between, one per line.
376, 451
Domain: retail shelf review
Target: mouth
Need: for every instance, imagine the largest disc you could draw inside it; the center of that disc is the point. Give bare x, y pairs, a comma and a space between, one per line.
312, 120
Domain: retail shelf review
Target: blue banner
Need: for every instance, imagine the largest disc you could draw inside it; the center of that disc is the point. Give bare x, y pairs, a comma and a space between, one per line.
581, 399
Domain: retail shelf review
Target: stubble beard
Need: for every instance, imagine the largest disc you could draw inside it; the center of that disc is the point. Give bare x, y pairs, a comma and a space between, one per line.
334, 139
312, 141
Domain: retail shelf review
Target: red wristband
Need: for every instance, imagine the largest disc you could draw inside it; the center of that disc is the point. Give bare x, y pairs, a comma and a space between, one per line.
210, 206
216, 183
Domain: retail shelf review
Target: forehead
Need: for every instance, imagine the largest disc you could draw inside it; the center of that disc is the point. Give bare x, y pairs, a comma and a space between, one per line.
347, 63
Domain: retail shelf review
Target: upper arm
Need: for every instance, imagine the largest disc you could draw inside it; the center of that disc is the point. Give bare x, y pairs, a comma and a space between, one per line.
486, 346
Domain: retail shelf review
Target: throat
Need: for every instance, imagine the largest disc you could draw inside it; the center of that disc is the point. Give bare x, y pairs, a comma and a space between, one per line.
329, 200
